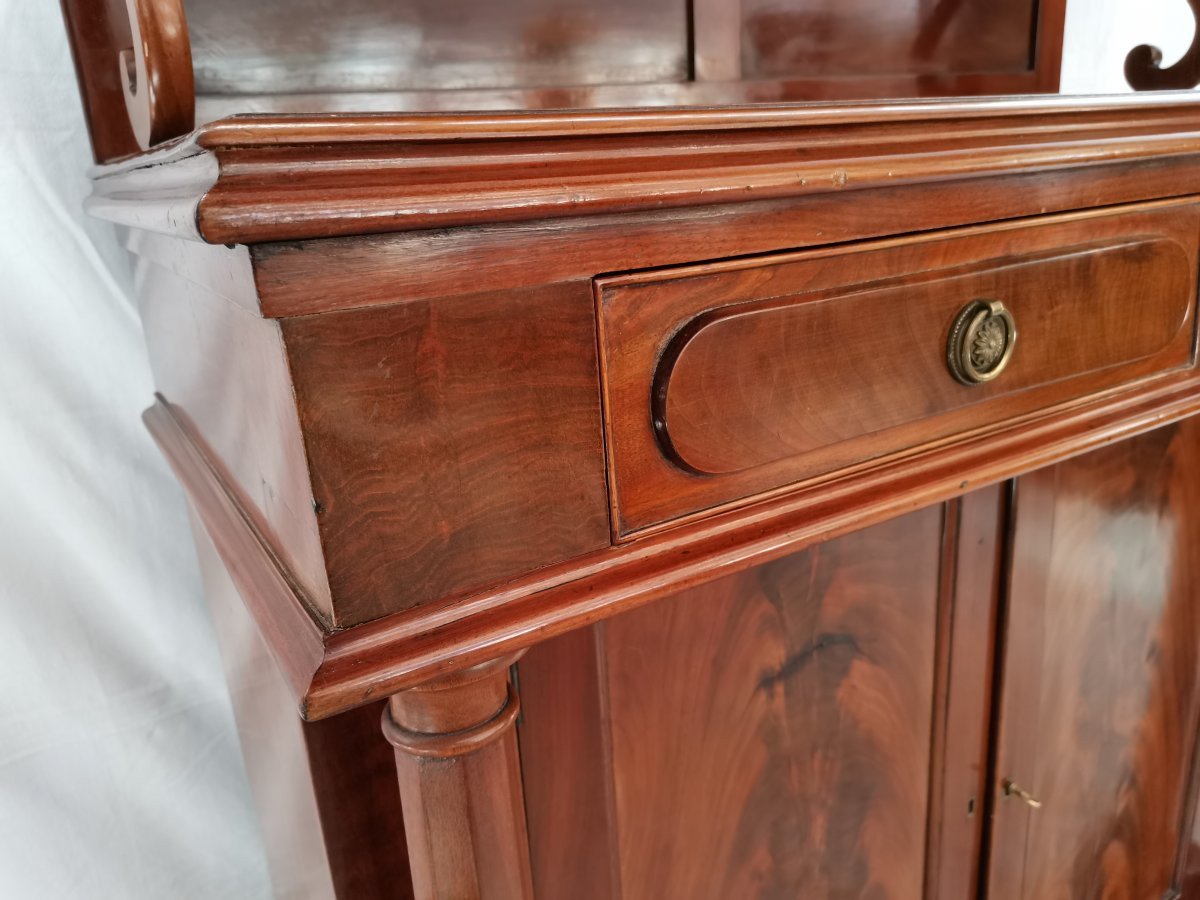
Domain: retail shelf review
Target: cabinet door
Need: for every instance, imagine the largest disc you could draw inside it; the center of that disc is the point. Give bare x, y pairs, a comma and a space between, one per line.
790, 731
1097, 718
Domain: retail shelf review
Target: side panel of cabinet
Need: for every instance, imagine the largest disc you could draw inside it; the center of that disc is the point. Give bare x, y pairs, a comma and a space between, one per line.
809, 728
1100, 686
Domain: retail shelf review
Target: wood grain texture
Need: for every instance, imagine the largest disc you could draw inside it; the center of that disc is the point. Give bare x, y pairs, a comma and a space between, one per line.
299, 46
287, 178
399, 650
831, 38
973, 550
338, 273
345, 669
746, 384
568, 53
1102, 673
357, 792
571, 54
566, 767
771, 731
452, 444
765, 371
460, 785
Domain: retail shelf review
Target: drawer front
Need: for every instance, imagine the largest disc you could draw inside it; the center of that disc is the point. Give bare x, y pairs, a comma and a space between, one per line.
728, 380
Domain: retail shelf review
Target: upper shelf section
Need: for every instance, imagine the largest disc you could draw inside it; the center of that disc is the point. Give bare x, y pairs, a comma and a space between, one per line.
146, 61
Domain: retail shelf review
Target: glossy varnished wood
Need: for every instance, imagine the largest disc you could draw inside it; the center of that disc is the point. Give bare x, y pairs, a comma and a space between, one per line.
291, 177
394, 652
97, 29
781, 647
451, 444
309, 46
761, 372
781, 688
789, 362
339, 273
974, 544
771, 732
1102, 674
566, 767
134, 66
832, 38
158, 87
459, 775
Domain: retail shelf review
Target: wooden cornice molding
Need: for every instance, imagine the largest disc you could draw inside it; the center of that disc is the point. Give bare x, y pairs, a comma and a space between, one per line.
332, 671
272, 595
255, 179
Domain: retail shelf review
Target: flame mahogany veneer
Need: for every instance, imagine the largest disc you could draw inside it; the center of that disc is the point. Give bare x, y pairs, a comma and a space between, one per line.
794, 639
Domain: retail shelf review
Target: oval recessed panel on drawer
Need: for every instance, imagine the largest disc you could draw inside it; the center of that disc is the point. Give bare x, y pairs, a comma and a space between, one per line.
726, 380
748, 384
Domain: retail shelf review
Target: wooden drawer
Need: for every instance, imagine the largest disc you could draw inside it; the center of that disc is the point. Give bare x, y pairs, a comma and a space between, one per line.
727, 380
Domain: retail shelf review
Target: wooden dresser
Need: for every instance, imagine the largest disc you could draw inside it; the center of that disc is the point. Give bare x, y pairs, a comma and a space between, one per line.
741, 499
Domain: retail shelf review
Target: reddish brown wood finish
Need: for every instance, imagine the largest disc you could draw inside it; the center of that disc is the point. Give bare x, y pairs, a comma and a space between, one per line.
767, 371
341, 273
771, 731
97, 29
566, 767
286, 178
448, 417
290, 46
406, 474
134, 67
305, 56
789, 363
1102, 673
400, 650
973, 548
158, 87
460, 784
787, 732
857, 38
451, 444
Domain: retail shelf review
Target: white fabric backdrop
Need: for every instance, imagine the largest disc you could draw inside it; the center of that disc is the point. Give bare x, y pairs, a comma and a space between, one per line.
120, 774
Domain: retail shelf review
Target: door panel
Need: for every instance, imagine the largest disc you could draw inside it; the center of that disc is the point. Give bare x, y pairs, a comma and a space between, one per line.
771, 731
1098, 706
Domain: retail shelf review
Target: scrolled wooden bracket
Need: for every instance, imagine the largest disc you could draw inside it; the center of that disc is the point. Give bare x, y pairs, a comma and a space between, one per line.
1143, 65
156, 72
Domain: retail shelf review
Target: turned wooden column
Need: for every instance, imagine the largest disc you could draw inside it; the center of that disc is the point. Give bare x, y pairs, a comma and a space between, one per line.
460, 785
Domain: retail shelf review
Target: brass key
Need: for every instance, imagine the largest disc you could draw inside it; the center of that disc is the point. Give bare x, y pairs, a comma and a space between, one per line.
1012, 789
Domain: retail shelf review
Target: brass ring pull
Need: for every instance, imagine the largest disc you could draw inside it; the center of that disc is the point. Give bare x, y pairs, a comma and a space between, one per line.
981, 341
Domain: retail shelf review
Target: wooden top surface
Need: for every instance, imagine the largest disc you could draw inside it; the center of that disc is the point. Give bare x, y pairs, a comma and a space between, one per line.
252, 179
345, 127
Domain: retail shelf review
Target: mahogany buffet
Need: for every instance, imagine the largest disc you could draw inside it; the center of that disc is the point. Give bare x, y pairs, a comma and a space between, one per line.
714, 494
